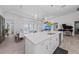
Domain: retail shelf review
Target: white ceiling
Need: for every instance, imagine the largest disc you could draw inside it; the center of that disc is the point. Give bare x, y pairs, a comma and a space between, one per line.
39, 10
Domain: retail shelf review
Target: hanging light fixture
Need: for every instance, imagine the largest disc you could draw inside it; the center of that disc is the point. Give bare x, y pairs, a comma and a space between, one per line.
35, 16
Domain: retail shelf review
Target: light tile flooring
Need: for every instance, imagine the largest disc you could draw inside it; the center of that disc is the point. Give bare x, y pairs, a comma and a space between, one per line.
9, 46
71, 44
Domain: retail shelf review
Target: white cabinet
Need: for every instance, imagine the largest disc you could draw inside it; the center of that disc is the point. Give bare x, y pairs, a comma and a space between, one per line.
53, 43
46, 46
42, 48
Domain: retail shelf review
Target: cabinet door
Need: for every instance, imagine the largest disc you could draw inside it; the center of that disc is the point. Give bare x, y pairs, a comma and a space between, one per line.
48, 46
56, 43
29, 47
53, 44
43, 47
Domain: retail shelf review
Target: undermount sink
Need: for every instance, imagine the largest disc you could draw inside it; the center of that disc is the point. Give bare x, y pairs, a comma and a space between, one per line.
51, 33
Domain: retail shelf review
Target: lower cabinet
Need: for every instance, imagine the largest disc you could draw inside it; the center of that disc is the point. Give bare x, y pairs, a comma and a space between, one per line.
42, 48
47, 46
53, 43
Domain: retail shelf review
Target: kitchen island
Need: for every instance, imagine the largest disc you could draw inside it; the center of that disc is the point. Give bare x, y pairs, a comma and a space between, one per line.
42, 42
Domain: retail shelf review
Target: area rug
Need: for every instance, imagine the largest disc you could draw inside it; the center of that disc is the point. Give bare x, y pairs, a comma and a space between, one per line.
60, 51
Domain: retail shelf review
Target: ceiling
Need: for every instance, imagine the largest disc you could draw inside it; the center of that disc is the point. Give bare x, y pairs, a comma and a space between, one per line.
39, 11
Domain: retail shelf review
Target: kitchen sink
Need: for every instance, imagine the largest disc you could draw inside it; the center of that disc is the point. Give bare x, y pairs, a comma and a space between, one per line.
51, 33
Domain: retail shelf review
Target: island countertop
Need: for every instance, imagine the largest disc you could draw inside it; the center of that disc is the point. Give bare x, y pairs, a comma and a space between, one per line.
37, 37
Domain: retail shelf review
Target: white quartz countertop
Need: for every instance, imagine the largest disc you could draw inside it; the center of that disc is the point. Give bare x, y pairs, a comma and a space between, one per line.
38, 36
